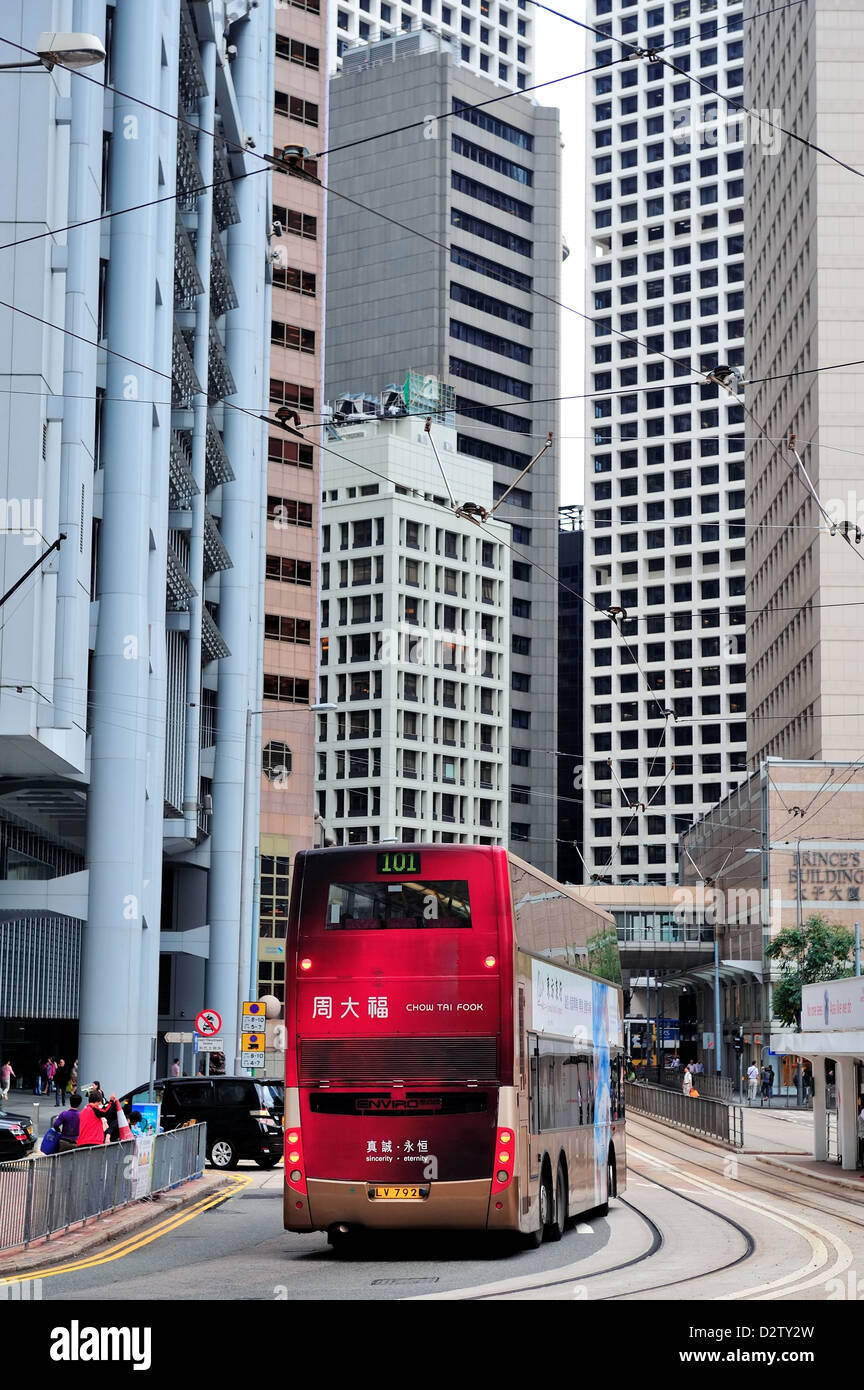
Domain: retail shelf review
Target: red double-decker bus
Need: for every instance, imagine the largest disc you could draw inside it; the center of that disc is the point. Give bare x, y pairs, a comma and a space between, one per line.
447, 1066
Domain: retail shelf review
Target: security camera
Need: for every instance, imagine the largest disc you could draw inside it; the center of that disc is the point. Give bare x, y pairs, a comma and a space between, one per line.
275, 229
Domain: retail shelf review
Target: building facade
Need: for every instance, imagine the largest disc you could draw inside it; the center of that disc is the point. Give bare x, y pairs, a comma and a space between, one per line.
571, 572
287, 771
460, 280
132, 655
786, 844
414, 629
665, 730
491, 38
804, 304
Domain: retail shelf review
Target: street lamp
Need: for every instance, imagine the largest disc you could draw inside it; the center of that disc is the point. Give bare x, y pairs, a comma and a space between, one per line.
73, 51
246, 925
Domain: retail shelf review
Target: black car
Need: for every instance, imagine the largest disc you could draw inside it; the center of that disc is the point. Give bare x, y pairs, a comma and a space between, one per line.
16, 1136
243, 1117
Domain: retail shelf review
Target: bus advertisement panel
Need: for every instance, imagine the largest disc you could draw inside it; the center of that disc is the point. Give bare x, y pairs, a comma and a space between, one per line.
409, 1097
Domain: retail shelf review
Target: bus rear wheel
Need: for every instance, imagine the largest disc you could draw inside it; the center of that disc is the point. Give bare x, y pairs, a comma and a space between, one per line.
558, 1218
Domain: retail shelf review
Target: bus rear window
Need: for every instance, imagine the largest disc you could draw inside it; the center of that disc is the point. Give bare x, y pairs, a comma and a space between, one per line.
398, 906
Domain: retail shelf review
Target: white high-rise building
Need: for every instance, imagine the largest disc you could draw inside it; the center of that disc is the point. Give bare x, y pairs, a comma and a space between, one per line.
664, 500
415, 641
492, 37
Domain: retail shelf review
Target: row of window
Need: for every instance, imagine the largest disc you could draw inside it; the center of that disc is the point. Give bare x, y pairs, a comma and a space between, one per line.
297, 52
482, 265
291, 335
301, 224
297, 108
680, 338
495, 197
293, 278
488, 304
466, 222
490, 342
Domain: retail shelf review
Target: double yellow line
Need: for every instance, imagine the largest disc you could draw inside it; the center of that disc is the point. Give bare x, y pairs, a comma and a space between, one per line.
136, 1242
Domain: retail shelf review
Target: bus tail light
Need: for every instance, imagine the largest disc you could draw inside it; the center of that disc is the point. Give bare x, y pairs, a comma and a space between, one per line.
295, 1168
505, 1159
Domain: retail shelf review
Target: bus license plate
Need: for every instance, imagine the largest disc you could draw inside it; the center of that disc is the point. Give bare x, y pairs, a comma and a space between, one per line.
397, 1194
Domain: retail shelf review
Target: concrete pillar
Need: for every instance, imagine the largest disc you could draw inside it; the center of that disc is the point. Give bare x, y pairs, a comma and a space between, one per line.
820, 1138
847, 1113
114, 1043
242, 587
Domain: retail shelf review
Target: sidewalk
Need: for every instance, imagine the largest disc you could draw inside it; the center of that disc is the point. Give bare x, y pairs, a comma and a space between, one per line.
115, 1227
783, 1139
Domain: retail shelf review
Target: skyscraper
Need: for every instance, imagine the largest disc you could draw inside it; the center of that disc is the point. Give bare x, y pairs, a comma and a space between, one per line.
805, 297
415, 643
492, 38
464, 289
664, 487
290, 640
131, 656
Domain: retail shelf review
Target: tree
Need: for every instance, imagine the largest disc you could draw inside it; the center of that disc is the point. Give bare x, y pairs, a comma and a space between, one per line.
817, 950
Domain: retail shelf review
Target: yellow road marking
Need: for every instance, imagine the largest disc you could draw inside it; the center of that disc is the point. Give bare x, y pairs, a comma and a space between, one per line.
137, 1242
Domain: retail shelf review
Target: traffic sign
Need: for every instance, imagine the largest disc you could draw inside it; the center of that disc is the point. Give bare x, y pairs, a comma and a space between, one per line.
252, 1042
252, 1008
208, 1023
249, 1060
179, 1037
209, 1045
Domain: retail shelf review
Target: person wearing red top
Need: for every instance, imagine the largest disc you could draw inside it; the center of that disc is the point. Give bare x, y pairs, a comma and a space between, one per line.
90, 1128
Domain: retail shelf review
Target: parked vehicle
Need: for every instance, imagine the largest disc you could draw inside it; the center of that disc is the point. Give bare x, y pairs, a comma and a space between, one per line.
16, 1136
243, 1117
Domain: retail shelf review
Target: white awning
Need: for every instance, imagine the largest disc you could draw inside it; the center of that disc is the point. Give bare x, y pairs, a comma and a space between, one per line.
828, 1043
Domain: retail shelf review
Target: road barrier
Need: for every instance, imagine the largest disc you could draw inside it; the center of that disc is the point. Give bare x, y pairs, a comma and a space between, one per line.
716, 1119
713, 1087
45, 1195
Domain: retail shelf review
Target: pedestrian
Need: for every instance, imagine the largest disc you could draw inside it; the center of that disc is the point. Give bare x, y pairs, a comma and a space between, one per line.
807, 1080
37, 1089
770, 1081
175, 1067
697, 1068
72, 1083
765, 1083
48, 1071
6, 1075
93, 1123
95, 1093
675, 1064
752, 1081
68, 1123
61, 1076
687, 1083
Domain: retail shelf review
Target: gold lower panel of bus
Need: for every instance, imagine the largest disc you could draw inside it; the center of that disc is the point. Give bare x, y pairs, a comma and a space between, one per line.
453, 1206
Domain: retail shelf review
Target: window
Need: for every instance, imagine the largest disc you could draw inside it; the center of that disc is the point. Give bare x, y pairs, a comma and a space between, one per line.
293, 278
296, 52
288, 570
489, 232
286, 689
286, 511
297, 108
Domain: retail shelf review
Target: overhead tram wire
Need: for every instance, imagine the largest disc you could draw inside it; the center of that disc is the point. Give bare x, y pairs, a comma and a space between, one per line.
272, 164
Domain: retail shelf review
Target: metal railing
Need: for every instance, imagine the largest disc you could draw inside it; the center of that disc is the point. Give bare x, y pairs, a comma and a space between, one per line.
713, 1087
45, 1194
717, 1119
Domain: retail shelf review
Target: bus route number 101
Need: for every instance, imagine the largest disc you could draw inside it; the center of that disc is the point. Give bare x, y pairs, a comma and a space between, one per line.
398, 863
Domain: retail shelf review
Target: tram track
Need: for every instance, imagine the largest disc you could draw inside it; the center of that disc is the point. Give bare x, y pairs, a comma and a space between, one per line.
753, 1168
658, 1244
830, 1255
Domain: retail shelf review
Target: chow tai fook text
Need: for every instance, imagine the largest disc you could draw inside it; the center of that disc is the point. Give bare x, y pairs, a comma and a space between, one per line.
378, 1006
